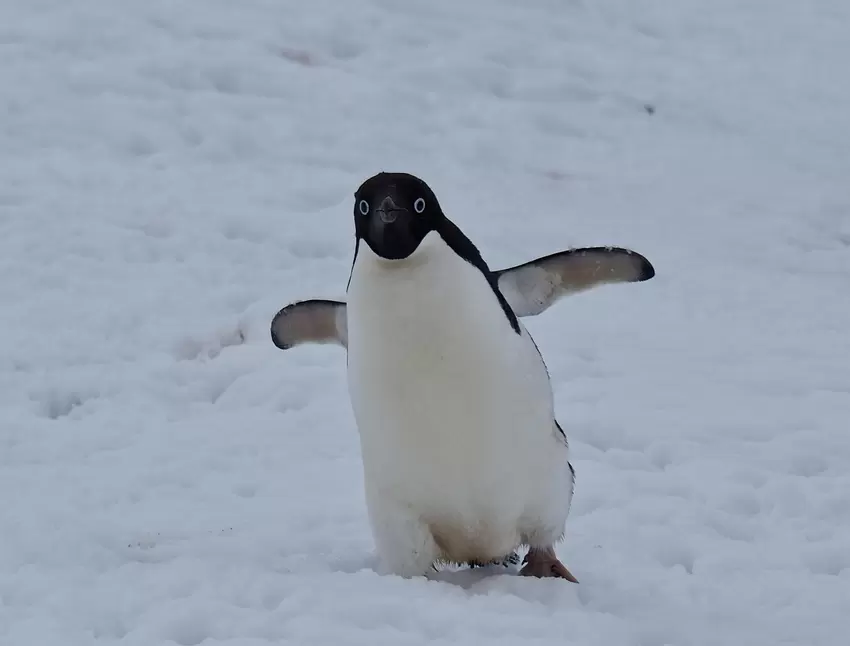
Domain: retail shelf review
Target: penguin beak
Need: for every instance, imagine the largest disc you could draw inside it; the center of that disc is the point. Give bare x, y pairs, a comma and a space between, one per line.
388, 210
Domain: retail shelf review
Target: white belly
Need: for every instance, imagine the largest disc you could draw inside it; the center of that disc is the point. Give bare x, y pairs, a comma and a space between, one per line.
454, 409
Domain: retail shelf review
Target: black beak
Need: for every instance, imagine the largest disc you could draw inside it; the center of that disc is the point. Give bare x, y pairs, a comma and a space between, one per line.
388, 211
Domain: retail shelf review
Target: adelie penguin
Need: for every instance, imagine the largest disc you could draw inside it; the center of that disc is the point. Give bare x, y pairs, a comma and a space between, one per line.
463, 459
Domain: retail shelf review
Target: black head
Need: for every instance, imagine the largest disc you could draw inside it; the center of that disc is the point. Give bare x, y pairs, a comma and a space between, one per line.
393, 212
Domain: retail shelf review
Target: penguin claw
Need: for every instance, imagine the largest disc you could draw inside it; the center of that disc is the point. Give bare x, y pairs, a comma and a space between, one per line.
511, 559
506, 561
542, 563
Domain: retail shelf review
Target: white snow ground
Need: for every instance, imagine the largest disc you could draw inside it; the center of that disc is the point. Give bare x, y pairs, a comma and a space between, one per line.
173, 173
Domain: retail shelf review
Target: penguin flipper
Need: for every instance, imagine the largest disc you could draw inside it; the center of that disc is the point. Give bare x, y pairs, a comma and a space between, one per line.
312, 321
534, 286
529, 288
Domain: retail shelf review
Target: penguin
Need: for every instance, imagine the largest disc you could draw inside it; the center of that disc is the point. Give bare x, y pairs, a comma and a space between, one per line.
463, 458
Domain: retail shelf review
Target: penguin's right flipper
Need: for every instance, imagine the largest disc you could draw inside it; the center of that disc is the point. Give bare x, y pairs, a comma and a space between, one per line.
534, 286
313, 321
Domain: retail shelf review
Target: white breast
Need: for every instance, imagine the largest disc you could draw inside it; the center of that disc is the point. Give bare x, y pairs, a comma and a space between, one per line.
454, 408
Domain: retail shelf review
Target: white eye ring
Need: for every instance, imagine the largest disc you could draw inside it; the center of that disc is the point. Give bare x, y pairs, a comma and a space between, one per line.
363, 206
419, 205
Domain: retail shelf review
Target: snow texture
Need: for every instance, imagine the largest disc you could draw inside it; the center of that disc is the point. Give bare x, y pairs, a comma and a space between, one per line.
172, 173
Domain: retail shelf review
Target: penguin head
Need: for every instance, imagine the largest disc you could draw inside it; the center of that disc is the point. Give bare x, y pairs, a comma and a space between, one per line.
393, 212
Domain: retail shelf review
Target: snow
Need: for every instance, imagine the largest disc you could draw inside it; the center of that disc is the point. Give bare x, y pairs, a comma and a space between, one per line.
171, 174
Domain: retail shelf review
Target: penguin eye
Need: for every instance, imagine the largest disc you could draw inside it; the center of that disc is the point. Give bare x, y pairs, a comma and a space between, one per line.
419, 205
363, 206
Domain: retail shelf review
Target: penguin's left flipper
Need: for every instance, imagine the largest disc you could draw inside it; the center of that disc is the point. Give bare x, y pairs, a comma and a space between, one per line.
313, 321
529, 288
534, 286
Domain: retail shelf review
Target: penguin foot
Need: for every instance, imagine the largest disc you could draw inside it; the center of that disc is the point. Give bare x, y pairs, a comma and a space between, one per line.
542, 563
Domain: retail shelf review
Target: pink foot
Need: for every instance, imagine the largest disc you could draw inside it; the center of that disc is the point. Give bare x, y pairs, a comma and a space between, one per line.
542, 563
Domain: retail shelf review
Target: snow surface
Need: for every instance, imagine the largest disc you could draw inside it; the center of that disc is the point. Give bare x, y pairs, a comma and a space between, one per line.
173, 173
